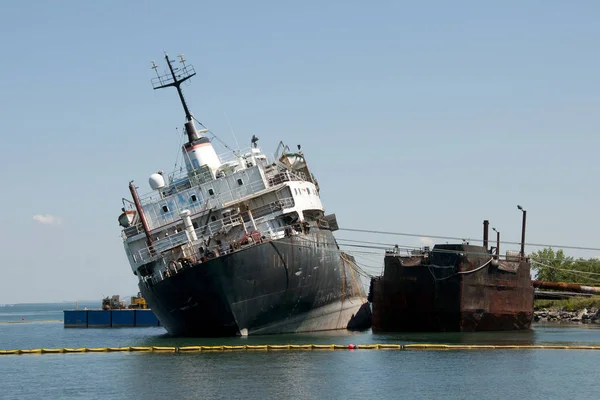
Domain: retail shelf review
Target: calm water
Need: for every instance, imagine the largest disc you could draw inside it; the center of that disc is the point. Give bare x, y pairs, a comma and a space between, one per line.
360, 374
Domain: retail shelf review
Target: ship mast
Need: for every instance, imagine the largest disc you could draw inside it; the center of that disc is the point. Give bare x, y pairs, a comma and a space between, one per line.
175, 77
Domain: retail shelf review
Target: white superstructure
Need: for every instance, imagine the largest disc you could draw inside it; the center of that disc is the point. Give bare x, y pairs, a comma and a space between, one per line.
218, 204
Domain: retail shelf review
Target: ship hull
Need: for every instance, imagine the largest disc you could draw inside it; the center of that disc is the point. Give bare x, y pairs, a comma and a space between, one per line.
423, 298
295, 284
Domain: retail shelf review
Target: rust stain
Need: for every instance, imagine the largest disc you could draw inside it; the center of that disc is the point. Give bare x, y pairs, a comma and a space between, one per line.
449, 290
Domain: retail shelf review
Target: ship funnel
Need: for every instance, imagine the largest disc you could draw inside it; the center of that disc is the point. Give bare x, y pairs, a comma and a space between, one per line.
200, 152
191, 131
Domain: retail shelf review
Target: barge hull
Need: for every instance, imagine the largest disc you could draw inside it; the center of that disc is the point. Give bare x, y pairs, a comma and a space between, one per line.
451, 292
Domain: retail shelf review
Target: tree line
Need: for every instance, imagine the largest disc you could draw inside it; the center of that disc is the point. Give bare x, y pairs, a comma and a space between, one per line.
556, 266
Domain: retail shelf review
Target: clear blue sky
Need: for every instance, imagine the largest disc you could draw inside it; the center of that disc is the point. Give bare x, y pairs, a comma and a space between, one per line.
423, 117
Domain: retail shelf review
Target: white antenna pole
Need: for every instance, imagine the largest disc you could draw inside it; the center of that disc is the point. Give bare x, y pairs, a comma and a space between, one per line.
232, 132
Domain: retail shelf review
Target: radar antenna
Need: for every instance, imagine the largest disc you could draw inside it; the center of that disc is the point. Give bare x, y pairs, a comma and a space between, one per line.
175, 77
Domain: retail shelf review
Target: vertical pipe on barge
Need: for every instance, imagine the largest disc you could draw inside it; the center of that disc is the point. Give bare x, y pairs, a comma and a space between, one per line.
486, 225
523, 231
140, 211
498, 243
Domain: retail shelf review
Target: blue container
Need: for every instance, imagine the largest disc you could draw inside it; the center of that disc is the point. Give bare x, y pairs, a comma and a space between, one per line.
145, 318
98, 318
123, 318
75, 318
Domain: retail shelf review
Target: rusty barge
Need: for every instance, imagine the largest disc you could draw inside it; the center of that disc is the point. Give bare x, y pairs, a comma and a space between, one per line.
453, 287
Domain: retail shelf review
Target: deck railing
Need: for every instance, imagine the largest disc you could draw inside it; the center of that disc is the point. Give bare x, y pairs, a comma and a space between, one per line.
222, 225
167, 268
277, 177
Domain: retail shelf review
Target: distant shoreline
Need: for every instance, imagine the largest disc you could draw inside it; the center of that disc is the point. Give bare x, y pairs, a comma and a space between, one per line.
30, 321
48, 303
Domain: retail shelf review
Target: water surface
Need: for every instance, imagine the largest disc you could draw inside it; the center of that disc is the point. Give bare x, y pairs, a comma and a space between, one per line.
344, 374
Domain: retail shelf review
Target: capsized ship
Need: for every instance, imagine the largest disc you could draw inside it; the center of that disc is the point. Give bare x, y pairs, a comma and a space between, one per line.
453, 287
238, 244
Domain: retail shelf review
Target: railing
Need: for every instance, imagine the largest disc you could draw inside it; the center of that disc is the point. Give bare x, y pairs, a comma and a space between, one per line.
241, 192
171, 267
160, 245
222, 225
181, 177
276, 177
157, 218
403, 252
167, 78
268, 209
196, 177
132, 231
167, 243
236, 155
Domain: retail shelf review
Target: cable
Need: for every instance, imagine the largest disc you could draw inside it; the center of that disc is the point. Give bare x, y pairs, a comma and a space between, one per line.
178, 154
436, 278
537, 261
476, 269
471, 253
365, 241
576, 271
467, 239
214, 135
410, 248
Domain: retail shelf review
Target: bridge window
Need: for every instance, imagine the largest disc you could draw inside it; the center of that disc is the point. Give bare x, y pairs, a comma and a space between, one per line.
308, 190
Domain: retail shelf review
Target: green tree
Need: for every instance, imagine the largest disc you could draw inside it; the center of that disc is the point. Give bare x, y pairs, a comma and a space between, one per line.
545, 262
557, 267
586, 271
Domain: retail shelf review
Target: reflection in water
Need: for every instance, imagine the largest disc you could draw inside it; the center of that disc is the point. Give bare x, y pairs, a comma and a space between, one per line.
359, 374
349, 374
526, 337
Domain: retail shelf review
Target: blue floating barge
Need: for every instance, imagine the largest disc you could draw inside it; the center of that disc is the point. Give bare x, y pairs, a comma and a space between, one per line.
109, 318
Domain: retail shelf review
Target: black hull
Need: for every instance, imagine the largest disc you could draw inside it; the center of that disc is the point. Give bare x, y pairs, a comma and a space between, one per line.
295, 284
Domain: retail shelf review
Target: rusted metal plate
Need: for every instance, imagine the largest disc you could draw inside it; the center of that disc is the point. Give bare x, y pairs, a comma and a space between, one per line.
452, 288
